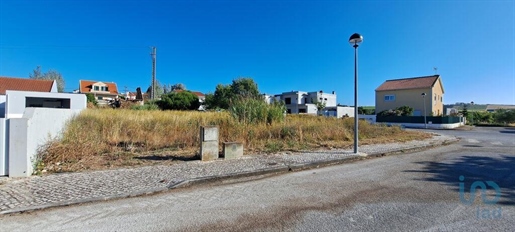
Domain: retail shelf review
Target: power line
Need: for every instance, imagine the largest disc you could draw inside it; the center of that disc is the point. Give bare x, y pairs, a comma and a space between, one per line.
99, 47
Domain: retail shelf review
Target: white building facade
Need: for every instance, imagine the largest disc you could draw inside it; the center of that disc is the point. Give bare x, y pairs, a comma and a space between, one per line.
301, 102
30, 120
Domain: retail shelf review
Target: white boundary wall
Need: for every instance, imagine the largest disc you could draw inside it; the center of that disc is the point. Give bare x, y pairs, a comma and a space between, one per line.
24, 130
4, 146
15, 104
28, 133
422, 125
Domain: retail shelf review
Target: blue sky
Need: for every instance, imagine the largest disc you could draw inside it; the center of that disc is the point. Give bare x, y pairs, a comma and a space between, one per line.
284, 45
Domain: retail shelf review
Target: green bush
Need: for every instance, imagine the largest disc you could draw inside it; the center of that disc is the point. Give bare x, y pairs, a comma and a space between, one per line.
400, 111
91, 98
504, 116
184, 100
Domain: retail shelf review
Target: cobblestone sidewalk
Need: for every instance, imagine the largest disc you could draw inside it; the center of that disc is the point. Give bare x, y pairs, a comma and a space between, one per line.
18, 195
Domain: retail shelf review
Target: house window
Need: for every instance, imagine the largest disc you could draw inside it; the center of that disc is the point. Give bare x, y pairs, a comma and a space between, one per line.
100, 98
95, 88
302, 111
103, 88
389, 97
287, 100
289, 111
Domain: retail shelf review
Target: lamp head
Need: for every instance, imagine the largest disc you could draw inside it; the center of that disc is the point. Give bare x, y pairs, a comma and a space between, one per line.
355, 39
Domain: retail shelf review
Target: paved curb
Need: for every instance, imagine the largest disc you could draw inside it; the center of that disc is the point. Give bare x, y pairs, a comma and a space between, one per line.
234, 177
83, 201
221, 178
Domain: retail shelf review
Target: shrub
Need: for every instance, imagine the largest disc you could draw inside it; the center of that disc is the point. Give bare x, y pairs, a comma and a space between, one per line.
504, 116
400, 111
90, 98
184, 100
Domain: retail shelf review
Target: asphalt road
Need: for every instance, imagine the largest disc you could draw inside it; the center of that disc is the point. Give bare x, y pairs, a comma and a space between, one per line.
409, 192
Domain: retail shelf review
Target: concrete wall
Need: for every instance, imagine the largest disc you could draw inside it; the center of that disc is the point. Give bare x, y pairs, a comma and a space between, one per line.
4, 145
338, 111
15, 104
369, 118
429, 126
26, 134
328, 98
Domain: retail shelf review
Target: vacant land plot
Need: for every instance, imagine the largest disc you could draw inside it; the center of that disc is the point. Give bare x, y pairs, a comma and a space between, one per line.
105, 138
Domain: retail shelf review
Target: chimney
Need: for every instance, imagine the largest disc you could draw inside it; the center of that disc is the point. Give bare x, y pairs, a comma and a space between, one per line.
333, 92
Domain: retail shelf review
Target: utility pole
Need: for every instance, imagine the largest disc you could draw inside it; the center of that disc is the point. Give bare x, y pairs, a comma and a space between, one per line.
153, 88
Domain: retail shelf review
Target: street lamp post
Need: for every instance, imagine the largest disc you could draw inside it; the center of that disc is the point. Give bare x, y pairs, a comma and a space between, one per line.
355, 39
471, 116
425, 121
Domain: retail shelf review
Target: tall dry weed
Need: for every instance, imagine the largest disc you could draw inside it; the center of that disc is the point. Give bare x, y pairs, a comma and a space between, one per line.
97, 132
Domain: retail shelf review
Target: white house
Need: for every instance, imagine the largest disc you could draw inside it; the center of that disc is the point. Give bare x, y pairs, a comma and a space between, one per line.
301, 102
23, 84
29, 120
103, 91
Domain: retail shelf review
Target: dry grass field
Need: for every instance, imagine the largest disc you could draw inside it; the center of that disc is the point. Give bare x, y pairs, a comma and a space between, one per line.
107, 138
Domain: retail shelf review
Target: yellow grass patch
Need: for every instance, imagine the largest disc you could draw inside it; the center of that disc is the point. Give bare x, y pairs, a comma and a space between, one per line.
113, 137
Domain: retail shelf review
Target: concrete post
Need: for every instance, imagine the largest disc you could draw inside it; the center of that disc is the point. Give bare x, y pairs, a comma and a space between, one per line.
208, 143
232, 150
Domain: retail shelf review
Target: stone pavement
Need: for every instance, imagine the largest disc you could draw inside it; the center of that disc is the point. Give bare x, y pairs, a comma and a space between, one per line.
39, 192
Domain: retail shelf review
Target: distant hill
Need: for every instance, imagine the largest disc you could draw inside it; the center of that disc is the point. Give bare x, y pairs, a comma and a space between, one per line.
460, 106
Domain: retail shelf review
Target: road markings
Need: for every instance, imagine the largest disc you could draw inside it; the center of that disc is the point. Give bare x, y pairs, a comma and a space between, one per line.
472, 141
496, 143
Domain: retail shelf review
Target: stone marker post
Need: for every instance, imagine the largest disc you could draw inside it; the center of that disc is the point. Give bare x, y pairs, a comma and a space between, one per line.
208, 143
232, 150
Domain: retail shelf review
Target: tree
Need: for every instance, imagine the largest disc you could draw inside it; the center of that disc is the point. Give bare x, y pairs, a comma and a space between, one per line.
91, 98
224, 95
178, 86
504, 116
320, 106
245, 87
166, 89
184, 100
366, 111
36, 73
221, 98
405, 111
159, 89
49, 75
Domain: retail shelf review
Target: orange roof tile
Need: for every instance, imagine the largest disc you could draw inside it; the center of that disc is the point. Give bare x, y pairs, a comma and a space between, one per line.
24, 84
409, 83
86, 86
